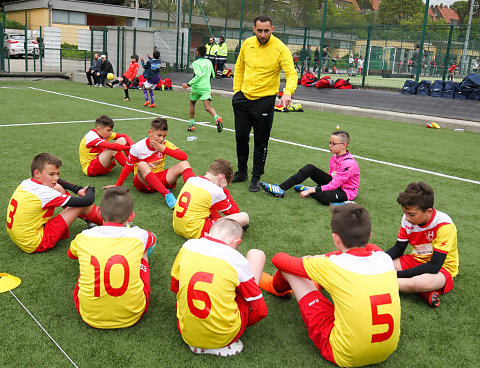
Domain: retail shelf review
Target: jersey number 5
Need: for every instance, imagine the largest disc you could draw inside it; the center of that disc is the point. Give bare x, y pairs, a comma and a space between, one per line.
183, 202
381, 319
113, 260
194, 294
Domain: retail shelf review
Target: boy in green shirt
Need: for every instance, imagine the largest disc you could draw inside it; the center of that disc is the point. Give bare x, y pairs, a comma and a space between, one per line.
201, 89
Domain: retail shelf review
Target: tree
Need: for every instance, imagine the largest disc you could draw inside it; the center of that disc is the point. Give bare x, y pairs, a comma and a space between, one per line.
393, 11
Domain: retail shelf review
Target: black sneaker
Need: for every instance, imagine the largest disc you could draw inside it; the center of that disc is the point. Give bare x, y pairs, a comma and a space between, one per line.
254, 184
239, 177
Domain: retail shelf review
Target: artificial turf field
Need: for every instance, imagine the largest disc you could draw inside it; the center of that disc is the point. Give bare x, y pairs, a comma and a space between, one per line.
444, 337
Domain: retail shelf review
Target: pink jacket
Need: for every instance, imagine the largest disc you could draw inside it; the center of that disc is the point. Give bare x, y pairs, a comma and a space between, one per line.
346, 175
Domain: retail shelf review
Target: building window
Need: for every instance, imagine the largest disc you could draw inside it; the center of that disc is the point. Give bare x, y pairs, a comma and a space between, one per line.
69, 17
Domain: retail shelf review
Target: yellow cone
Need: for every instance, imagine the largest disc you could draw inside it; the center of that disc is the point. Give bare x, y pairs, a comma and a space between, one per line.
8, 282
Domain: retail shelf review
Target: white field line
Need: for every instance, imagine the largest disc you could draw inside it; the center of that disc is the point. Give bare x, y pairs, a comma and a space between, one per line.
38, 323
272, 139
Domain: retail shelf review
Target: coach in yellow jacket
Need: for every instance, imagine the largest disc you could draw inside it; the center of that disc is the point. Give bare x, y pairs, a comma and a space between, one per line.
256, 82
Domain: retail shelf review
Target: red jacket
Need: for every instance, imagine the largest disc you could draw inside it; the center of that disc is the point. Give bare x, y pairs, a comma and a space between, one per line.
131, 71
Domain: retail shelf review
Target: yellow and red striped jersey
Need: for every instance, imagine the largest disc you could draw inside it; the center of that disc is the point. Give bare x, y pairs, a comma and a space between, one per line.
31, 206
110, 288
208, 274
439, 234
89, 148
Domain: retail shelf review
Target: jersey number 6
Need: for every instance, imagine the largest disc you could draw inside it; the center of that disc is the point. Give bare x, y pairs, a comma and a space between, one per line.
194, 294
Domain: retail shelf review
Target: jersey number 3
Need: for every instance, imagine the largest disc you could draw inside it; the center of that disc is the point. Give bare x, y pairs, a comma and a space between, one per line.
14, 204
381, 319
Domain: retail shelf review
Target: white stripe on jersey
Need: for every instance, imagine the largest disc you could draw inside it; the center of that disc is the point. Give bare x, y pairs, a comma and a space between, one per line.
117, 232
141, 151
43, 193
215, 191
224, 252
91, 136
439, 218
377, 263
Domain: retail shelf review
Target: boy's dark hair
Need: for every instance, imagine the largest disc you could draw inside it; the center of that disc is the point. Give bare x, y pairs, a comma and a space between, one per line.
262, 18
134, 56
221, 166
104, 121
156, 54
344, 136
351, 222
417, 194
159, 124
42, 159
202, 50
116, 205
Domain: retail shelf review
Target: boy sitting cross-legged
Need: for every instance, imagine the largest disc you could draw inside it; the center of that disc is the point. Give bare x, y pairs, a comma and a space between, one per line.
101, 146
217, 290
430, 268
147, 160
362, 326
113, 287
30, 221
203, 198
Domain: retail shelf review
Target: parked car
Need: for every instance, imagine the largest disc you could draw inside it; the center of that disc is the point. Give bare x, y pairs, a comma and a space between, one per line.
14, 45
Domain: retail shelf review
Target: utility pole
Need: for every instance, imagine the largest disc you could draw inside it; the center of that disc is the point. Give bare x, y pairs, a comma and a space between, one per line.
467, 36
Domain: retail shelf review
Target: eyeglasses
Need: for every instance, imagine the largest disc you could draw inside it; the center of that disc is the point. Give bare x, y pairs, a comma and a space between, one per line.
333, 143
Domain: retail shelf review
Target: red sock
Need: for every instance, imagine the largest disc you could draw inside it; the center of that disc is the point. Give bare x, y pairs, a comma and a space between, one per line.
187, 174
279, 283
94, 215
155, 183
121, 158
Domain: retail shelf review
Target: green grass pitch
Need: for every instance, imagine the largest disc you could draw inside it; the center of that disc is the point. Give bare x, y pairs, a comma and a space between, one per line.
444, 337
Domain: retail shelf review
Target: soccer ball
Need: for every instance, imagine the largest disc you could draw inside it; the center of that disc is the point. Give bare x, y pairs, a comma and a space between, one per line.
110, 76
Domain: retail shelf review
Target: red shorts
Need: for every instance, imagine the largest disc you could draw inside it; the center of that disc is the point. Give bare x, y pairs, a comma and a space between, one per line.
409, 261
95, 168
318, 314
54, 230
144, 276
161, 175
206, 227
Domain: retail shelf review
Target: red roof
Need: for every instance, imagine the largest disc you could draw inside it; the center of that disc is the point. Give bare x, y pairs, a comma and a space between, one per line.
448, 14
430, 13
375, 4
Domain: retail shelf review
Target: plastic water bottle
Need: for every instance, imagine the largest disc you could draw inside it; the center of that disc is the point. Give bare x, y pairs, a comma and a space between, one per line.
192, 138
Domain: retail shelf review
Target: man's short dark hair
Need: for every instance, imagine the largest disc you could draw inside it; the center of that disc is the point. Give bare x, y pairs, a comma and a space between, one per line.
105, 121
42, 159
351, 222
116, 205
417, 194
262, 18
202, 50
221, 166
159, 124
156, 54
344, 136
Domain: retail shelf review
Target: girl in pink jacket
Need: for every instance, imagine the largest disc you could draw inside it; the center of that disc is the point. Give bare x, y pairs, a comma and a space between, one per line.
339, 185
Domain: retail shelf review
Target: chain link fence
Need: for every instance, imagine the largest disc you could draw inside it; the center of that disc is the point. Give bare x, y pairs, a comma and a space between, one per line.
369, 55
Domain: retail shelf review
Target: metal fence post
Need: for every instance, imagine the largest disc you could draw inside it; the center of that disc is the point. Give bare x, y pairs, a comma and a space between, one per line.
91, 46
320, 62
303, 52
181, 59
422, 40
149, 18
447, 54
189, 33
123, 52
41, 48
25, 45
2, 49
367, 56
241, 29
134, 40
118, 48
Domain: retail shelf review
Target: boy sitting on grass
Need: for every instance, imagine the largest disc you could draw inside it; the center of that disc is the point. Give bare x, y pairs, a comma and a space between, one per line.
147, 160
113, 287
201, 88
128, 77
362, 326
339, 185
430, 268
100, 148
203, 198
30, 224
217, 290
